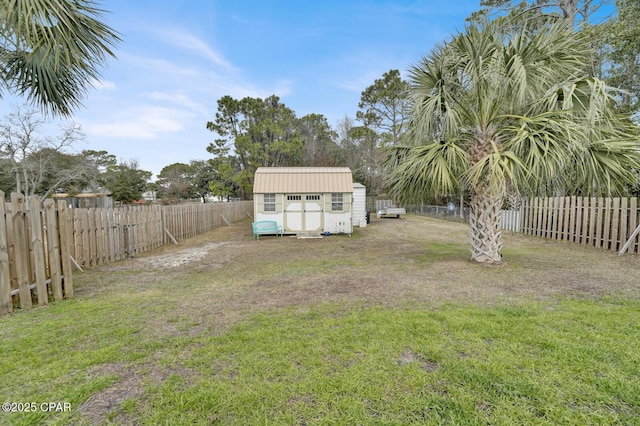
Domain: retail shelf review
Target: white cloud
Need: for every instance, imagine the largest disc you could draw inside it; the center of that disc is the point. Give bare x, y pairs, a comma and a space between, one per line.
190, 42
238, 88
283, 88
159, 65
176, 98
145, 123
103, 84
360, 82
364, 68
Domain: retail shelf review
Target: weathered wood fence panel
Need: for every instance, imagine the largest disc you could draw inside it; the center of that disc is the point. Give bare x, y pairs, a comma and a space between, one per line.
33, 246
39, 242
106, 235
6, 304
600, 222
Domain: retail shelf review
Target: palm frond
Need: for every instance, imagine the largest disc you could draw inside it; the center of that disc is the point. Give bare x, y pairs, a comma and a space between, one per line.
552, 128
414, 173
499, 169
433, 93
606, 166
53, 49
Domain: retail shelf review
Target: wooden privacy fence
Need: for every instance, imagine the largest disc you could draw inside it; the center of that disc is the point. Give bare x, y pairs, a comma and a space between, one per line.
601, 222
34, 252
103, 236
39, 246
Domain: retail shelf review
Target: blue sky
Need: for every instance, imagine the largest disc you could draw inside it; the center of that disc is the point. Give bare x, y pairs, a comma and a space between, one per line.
178, 57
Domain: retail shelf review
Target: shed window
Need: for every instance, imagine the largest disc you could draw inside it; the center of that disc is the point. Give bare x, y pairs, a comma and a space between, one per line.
315, 197
294, 197
269, 202
336, 203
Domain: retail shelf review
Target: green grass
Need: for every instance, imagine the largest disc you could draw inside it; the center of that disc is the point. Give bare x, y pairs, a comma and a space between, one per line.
466, 365
571, 362
143, 346
438, 251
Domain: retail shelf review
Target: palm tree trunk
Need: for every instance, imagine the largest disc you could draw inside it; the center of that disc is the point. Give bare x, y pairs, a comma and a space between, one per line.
485, 206
484, 218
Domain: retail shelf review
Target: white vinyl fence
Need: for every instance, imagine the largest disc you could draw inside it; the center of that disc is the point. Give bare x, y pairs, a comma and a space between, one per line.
511, 220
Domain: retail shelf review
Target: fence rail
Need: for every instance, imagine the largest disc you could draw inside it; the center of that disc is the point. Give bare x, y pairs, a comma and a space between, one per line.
40, 243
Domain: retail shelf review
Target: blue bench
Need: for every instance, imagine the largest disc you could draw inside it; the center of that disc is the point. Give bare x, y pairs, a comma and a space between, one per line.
266, 227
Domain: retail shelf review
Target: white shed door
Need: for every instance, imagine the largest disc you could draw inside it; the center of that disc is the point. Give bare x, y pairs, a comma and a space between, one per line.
293, 213
303, 213
313, 212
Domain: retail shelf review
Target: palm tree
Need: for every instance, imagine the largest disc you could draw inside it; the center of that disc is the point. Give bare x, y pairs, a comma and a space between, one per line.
496, 110
51, 50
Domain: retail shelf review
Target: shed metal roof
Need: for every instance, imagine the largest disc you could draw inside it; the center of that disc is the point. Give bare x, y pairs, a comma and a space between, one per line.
302, 180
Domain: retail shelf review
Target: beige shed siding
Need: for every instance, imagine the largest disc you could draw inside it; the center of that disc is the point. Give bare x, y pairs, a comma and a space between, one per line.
289, 180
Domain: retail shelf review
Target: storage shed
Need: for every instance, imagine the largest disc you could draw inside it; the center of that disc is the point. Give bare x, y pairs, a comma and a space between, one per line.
305, 200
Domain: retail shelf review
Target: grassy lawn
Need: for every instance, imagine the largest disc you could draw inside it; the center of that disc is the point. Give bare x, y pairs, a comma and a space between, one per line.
391, 326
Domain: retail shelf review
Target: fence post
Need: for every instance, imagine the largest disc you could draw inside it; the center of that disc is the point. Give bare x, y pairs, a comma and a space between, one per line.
127, 248
615, 224
624, 218
596, 223
65, 224
581, 222
118, 220
86, 245
556, 218
537, 217
525, 208
543, 219
633, 219
21, 256
6, 304
589, 206
37, 245
53, 249
568, 217
606, 236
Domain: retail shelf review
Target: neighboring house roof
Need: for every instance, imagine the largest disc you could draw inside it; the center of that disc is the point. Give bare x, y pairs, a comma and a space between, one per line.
302, 180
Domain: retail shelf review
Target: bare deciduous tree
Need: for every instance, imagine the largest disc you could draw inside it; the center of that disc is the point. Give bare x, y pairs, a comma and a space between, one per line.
36, 160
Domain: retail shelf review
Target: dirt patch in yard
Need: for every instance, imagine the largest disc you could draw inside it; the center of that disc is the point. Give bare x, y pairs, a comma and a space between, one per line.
172, 259
389, 262
129, 384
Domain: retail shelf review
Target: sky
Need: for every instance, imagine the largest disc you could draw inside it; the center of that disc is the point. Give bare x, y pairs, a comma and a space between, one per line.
178, 57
